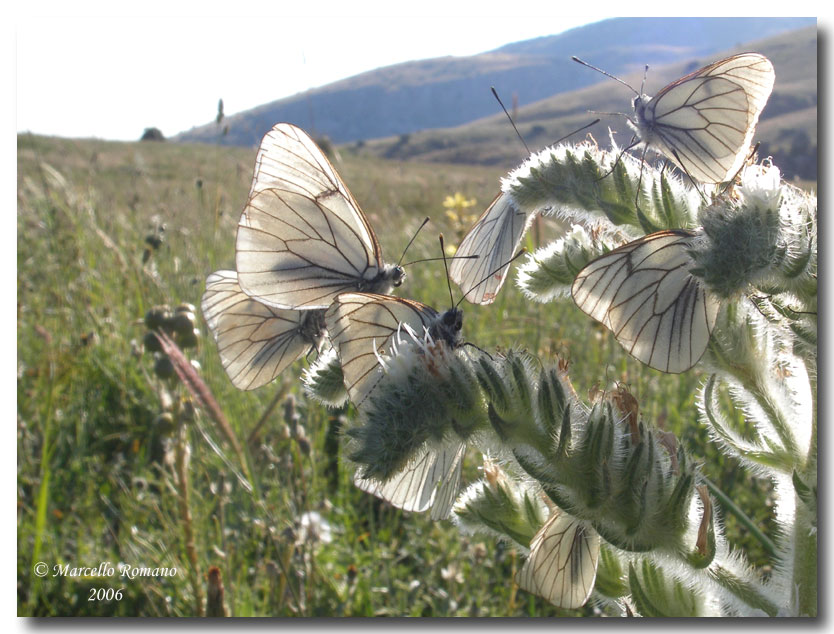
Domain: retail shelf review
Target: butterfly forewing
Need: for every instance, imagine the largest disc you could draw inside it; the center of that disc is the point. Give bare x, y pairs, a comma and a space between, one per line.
302, 239
494, 238
645, 294
255, 342
361, 325
562, 565
288, 159
704, 122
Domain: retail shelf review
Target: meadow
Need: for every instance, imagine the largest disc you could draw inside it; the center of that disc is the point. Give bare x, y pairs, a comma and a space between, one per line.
107, 231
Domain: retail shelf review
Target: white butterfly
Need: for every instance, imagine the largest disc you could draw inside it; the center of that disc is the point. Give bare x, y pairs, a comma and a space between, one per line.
704, 122
646, 295
493, 239
256, 342
302, 238
361, 327
562, 565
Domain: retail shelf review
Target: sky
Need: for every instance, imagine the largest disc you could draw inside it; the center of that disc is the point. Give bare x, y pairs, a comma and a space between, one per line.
91, 68
101, 74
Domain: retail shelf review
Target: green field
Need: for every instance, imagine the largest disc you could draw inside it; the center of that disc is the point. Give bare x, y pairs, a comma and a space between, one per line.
97, 470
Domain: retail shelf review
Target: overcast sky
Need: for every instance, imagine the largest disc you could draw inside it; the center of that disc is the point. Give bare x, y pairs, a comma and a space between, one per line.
96, 73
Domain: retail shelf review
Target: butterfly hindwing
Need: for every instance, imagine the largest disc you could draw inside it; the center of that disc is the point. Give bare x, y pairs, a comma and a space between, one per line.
646, 295
415, 488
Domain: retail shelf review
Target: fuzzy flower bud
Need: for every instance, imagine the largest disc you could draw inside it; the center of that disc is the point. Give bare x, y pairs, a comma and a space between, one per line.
428, 393
765, 238
324, 380
501, 506
582, 183
548, 273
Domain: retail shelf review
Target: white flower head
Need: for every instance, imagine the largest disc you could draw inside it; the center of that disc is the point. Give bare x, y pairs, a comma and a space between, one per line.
761, 186
408, 348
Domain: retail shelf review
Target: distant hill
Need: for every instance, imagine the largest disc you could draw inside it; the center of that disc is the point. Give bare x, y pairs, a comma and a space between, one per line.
450, 91
787, 128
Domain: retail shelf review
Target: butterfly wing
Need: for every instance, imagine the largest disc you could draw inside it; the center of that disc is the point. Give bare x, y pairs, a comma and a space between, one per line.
302, 238
360, 325
704, 122
645, 294
562, 565
494, 239
415, 488
256, 342
451, 473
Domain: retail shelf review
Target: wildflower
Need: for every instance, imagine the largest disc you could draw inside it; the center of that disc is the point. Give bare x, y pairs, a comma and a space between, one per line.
313, 528
761, 186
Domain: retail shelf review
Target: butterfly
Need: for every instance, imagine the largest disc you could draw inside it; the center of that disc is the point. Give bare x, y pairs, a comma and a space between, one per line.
256, 342
493, 239
302, 239
704, 121
362, 326
562, 565
645, 293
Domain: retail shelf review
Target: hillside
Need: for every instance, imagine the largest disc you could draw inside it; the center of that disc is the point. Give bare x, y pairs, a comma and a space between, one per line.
787, 129
451, 91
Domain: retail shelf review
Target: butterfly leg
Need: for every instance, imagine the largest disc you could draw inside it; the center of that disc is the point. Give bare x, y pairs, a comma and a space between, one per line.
689, 176
634, 141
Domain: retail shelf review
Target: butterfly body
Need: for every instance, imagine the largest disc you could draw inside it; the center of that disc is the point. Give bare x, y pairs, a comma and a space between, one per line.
447, 327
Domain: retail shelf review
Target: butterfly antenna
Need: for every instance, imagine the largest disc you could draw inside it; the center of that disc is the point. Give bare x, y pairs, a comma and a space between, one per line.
609, 114
599, 70
454, 257
446, 266
507, 263
577, 131
645, 74
512, 123
412, 239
